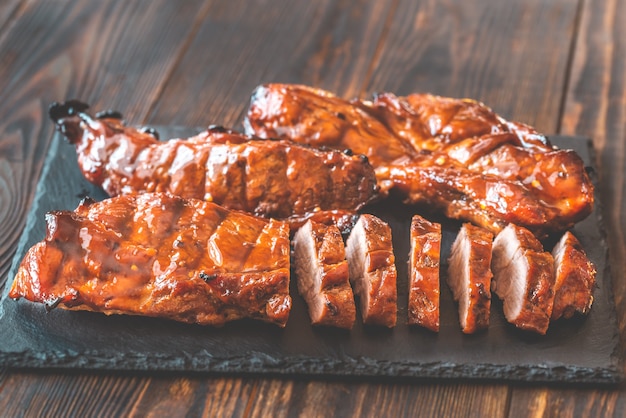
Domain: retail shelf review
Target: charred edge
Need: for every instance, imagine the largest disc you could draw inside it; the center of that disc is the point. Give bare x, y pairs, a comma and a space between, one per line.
58, 111
86, 201
218, 129
109, 114
207, 277
332, 308
50, 305
150, 131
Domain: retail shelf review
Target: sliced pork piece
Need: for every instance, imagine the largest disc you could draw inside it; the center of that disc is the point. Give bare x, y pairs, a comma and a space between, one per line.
162, 256
523, 278
469, 276
575, 278
424, 273
372, 270
323, 275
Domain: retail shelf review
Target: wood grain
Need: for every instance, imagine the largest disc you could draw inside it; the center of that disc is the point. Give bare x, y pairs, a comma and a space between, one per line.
320, 399
511, 55
8, 8
327, 43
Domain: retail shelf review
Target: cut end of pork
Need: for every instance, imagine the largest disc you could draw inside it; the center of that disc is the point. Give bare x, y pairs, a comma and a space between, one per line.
323, 276
575, 278
523, 278
372, 270
424, 260
469, 277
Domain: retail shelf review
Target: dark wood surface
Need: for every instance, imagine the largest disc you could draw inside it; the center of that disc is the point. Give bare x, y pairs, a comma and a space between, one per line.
557, 64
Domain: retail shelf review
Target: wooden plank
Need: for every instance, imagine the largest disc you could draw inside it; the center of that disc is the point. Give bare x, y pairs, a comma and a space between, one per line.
278, 398
182, 396
9, 11
326, 43
546, 402
511, 55
595, 106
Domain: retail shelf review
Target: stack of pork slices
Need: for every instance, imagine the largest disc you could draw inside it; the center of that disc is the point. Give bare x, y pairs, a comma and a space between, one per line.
536, 286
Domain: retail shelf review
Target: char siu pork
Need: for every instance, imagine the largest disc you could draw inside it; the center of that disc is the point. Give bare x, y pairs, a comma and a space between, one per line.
523, 278
162, 256
424, 256
455, 155
469, 277
575, 278
323, 276
279, 179
373, 271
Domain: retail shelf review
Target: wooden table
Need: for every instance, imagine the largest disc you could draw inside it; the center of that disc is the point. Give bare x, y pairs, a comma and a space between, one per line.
559, 65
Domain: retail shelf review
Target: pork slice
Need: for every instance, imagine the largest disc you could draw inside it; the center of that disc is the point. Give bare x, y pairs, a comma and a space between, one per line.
424, 260
469, 276
372, 270
523, 278
323, 275
575, 278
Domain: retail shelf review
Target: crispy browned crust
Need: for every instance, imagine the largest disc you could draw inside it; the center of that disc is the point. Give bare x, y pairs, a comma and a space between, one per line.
333, 292
575, 278
424, 260
454, 154
162, 256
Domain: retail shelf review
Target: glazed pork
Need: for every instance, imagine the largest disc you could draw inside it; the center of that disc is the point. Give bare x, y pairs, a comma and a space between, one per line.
523, 277
469, 277
575, 278
424, 257
373, 272
278, 179
323, 276
457, 156
162, 256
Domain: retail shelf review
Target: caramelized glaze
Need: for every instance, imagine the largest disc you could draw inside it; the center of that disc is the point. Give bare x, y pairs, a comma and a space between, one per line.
268, 178
455, 155
163, 256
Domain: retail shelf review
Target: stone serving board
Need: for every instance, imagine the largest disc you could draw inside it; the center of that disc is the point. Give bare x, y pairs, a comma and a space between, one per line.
581, 350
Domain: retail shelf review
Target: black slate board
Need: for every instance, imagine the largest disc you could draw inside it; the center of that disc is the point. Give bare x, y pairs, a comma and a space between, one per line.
573, 351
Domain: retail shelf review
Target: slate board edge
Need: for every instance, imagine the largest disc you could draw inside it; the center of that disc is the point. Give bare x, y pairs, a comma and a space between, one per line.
292, 366
262, 364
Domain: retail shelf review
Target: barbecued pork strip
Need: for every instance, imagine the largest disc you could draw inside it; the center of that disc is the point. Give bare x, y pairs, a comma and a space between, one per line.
455, 155
523, 277
373, 272
322, 275
575, 278
268, 178
469, 277
424, 257
162, 256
